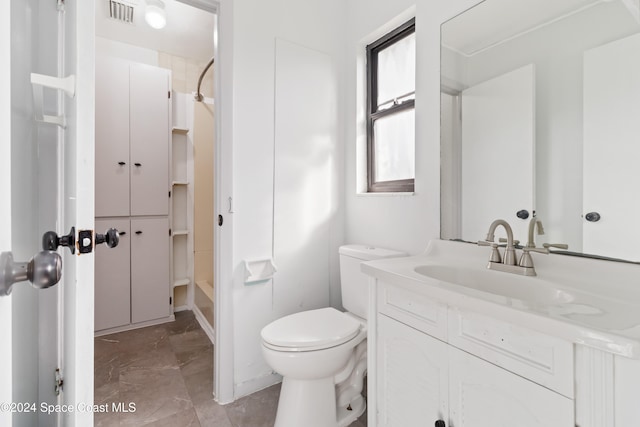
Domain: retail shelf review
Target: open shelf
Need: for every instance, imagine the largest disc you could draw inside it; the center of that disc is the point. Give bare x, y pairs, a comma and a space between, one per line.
206, 288
181, 282
180, 130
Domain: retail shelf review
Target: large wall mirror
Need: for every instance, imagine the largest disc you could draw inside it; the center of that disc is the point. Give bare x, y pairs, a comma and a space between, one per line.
540, 117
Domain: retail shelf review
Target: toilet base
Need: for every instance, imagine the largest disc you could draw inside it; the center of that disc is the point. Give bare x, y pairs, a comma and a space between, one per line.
309, 403
346, 416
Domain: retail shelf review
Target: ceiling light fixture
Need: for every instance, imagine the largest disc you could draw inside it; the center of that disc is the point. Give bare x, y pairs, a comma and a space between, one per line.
155, 15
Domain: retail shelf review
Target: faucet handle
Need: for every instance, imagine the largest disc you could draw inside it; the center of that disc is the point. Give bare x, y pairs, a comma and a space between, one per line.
495, 253
556, 245
539, 250
504, 240
526, 260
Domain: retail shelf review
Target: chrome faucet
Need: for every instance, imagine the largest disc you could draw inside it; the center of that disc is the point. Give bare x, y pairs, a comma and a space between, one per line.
534, 224
525, 260
510, 252
508, 264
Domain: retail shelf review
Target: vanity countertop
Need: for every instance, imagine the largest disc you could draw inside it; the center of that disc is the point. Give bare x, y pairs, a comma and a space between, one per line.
591, 302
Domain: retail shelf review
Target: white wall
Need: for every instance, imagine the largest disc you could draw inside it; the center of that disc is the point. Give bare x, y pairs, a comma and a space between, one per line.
404, 222
256, 26
116, 49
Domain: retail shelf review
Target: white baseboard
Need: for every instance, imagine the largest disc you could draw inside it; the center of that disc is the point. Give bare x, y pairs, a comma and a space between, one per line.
249, 387
206, 327
181, 308
134, 326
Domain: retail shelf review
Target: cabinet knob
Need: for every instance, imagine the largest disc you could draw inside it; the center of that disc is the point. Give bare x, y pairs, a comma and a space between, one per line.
138, 232
522, 214
440, 423
592, 217
122, 163
138, 164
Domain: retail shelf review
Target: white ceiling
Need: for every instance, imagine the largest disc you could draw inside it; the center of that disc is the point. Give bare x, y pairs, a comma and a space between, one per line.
496, 20
189, 31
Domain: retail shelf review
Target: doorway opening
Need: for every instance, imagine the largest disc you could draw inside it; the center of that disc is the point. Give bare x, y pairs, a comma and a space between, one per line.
159, 311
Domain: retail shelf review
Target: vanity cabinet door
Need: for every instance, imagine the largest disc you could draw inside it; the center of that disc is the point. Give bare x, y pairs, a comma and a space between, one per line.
484, 395
412, 376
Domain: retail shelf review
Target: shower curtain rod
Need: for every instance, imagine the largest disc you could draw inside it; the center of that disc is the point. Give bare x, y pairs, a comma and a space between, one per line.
198, 96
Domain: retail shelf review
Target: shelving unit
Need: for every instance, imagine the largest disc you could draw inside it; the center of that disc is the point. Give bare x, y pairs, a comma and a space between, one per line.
181, 205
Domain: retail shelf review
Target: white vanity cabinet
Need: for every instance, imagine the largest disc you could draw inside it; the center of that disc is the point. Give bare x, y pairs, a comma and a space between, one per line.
421, 379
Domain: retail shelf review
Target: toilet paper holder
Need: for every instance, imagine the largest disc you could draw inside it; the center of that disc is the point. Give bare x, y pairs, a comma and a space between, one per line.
258, 270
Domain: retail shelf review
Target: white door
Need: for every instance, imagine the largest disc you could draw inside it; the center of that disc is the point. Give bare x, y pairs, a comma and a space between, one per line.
46, 183
611, 149
498, 123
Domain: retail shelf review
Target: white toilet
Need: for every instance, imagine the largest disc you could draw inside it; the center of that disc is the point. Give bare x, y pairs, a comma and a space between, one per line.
322, 354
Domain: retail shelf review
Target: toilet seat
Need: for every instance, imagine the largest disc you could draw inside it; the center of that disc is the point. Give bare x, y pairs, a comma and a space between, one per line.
310, 330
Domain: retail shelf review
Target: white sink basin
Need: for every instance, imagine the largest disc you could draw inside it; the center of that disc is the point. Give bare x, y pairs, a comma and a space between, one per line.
530, 289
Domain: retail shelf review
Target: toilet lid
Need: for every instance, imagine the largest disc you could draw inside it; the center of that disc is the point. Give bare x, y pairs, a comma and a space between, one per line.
312, 329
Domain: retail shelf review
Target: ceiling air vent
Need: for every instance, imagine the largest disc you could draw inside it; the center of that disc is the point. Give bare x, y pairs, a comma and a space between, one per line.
121, 10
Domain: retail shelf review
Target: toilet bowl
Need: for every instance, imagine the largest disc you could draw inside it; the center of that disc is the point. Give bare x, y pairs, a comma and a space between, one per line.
321, 354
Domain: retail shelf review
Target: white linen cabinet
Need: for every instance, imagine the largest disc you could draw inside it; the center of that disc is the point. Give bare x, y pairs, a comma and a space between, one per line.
132, 193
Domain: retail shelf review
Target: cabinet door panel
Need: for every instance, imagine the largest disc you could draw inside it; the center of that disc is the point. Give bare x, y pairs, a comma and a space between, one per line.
483, 395
150, 288
112, 278
149, 130
412, 376
112, 138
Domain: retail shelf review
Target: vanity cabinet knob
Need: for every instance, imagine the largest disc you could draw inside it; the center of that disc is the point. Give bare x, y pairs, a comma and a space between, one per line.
440, 423
592, 217
522, 214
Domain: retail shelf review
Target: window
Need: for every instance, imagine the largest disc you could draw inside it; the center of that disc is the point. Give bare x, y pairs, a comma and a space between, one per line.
391, 76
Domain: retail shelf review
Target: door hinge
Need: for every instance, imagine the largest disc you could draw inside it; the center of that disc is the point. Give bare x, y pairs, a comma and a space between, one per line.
59, 382
169, 194
169, 232
170, 300
169, 94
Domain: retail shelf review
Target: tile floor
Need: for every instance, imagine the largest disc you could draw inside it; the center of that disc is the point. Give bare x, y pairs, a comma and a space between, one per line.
167, 371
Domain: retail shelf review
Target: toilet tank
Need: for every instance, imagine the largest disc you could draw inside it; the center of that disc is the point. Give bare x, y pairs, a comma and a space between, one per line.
354, 283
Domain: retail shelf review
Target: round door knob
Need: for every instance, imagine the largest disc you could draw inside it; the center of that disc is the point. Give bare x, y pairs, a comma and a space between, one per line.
45, 269
592, 217
522, 214
111, 238
51, 240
